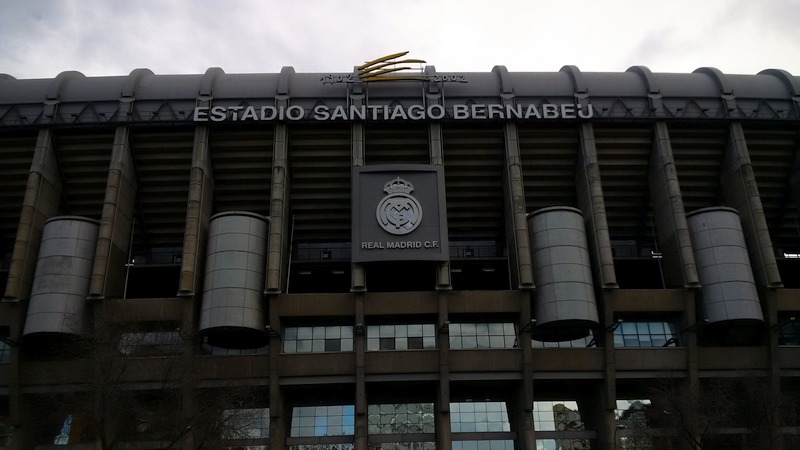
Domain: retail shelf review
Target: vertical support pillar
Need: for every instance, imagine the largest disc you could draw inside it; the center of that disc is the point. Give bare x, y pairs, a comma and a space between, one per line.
606, 400
113, 240
198, 213
278, 258
689, 335
740, 191
361, 404
443, 281
359, 279
442, 405
669, 214
515, 212
592, 204
279, 413
525, 433
42, 196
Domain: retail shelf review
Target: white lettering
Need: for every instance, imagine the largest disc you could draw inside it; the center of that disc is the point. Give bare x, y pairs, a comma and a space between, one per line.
357, 111
478, 111
515, 111
589, 112
218, 113
416, 112
398, 112
550, 111
339, 113
439, 114
249, 113
496, 110
374, 110
532, 112
567, 111
273, 113
460, 111
321, 112
201, 114
235, 111
295, 112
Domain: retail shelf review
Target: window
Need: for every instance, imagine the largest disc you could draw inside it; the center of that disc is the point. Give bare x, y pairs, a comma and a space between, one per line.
318, 339
151, 339
246, 423
576, 343
556, 416
482, 335
468, 417
401, 337
492, 444
401, 418
631, 415
645, 334
5, 352
311, 421
426, 445
209, 349
789, 331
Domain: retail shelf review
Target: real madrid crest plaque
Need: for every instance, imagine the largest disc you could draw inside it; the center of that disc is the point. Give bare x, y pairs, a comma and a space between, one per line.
399, 213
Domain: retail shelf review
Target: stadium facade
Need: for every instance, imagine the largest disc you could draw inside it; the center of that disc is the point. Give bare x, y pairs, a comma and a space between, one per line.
400, 260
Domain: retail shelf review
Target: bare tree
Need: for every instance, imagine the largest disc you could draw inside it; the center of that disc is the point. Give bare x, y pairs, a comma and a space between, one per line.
141, 384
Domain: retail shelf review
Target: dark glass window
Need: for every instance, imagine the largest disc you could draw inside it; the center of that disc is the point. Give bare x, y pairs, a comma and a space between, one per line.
789, 331
646, 334
482, 335
329, 420
401, 337
401, 418
331, 338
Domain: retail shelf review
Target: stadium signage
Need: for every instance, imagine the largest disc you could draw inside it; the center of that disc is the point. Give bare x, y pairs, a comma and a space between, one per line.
398, 213
324, 113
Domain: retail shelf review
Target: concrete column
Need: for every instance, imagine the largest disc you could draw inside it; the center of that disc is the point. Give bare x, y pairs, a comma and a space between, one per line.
42, 197
525, 433
198, 213
669, 214
361, 404
443, 281
41, 201
519, 250
359, 278
442, 404
606, 400
278, 257
113, 240
591, 202
279, 413
688, 335
740, 191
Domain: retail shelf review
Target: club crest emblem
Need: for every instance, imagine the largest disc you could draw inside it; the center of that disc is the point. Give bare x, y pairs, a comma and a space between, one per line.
399, 212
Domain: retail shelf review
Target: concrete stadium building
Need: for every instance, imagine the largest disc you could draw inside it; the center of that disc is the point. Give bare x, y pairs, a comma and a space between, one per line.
400, 260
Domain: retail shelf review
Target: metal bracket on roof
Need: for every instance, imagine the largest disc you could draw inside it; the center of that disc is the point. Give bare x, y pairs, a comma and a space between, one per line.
51, 99
284, 85
506, 85
653, 89
726, 91
579, 84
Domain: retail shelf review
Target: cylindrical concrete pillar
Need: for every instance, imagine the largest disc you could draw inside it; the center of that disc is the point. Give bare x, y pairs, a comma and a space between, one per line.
723, 265
233, 309
57, 307
565, 306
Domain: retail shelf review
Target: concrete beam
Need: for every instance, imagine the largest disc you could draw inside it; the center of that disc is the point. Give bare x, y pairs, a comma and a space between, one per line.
113, 240
669, 214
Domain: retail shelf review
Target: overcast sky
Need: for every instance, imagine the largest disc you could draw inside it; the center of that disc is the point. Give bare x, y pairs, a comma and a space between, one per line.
41, 38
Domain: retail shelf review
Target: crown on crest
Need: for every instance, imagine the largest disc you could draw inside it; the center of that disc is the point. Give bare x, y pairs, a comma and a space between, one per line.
398, 185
